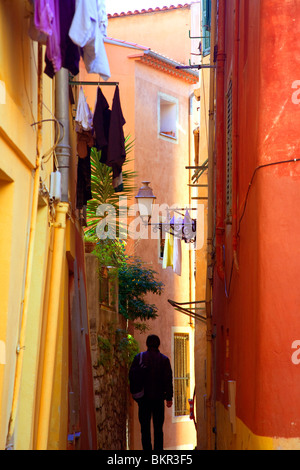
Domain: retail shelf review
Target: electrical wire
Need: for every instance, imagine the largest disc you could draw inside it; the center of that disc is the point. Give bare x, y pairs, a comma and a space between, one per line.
265, 165
24, 74
58, 139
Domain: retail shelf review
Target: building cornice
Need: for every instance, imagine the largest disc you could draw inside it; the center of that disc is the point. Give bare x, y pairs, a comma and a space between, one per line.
166, 65
155, 60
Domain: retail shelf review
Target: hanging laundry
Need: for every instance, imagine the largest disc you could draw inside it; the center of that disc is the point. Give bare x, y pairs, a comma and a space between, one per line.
189, 228
109, 135
84, 116
44, 15
177, 254
85, 141
87, 31
84, 125
101, 123
116, 154
53, 53
102, 15
68, 51
172, 250
83, 190
168, 251
41, 21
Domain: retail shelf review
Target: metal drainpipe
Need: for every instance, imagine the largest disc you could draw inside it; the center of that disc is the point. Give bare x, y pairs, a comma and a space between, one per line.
62, 115
57, 267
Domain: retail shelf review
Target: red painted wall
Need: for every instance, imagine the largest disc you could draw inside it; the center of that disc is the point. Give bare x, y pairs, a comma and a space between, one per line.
256, 306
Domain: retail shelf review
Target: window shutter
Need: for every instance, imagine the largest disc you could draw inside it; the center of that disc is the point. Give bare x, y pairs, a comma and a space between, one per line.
229, 155
206, 22
181, 374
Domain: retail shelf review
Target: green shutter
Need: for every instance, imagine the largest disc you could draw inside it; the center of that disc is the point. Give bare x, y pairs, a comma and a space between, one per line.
206, 22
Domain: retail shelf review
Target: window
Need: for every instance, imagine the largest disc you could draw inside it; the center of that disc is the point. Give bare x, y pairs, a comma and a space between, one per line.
206, 23
181, 374
229, 155
167, 117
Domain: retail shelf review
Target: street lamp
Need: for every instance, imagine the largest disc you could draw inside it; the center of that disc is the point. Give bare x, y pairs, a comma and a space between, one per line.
145, 199
183, 228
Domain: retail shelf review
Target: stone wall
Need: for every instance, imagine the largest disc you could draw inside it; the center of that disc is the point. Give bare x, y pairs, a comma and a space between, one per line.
110, 376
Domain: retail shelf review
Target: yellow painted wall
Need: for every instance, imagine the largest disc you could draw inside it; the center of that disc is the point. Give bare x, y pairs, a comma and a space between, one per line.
243, 438
18, 113
59, 414
34, 327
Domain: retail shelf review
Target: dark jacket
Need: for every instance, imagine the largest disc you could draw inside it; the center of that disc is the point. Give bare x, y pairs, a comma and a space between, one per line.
158, 380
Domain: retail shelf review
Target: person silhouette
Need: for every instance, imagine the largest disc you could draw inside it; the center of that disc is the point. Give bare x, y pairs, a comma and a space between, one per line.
158, 388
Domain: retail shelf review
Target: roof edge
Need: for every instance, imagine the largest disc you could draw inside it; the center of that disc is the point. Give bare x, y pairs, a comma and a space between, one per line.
149, 10
153, 59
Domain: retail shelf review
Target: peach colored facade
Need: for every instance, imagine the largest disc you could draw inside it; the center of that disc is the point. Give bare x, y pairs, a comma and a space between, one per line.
163, 163
165, 30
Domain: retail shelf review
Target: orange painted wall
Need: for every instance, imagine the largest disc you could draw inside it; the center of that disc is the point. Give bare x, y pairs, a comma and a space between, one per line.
256, 308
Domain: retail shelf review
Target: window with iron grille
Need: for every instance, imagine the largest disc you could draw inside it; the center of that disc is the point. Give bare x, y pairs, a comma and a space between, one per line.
181, 374
229, 155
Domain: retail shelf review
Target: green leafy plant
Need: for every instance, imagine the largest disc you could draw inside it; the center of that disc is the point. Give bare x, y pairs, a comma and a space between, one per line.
117, 347
135, 281
110, 253
126, 347
104, 194
106, 351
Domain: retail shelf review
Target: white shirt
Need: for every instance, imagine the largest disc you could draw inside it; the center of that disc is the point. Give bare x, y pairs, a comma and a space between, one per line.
84, 116
87, 31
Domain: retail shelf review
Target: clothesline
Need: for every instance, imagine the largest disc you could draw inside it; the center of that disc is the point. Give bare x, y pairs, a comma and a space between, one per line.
102, 130
182, 229
77, 82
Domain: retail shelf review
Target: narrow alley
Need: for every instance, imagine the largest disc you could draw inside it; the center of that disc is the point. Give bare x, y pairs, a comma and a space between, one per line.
150, 195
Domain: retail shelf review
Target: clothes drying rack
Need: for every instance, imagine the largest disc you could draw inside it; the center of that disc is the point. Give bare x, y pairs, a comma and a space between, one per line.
79, 82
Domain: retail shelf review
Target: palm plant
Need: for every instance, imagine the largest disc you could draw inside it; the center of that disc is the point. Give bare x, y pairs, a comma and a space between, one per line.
104, 194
